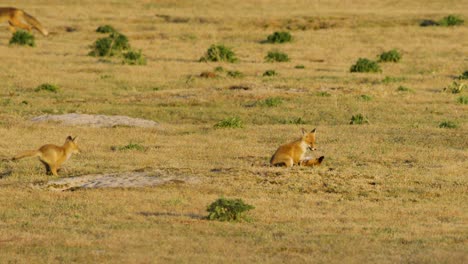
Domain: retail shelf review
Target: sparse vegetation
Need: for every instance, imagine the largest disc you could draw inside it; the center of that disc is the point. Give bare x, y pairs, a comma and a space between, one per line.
448, 124
365, 97
389, 79
403, 89
390, 56
133, 57
271, 102
450, 21
228, 210
22, 38
365, 65
462, 100
219, 53
276, 56
323, 94
47, 87
455, 87
300, 66
359, 119
269, 73
230, 122
279, 37
129, 147
235, 74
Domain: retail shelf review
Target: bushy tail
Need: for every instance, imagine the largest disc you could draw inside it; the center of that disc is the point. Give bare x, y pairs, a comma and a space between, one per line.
36, 24
29, 153
312, 162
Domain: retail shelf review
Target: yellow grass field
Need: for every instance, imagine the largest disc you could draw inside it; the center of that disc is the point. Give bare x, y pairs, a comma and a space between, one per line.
390, 191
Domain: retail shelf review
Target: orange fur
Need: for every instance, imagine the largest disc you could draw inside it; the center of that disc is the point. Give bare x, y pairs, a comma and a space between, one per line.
17, 18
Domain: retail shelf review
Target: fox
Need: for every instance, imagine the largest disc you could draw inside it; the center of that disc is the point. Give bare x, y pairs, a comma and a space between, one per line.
18, 18
52, 156
293, 153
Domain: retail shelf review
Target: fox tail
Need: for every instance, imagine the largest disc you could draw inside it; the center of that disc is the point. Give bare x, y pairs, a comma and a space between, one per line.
29, 153
312, 162
35, 23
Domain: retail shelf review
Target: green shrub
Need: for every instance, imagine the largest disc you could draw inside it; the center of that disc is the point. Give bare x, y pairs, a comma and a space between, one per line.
231, 122
47, 87
448, 124
219, 53
270, 73
359, 119
279, 37
450, 20
455, 87
235, 74
403, 89
276, 56
112, 45
390, 56
133, 57
300, 66
106, 29
271, 102
22, 38
365, 65
464, 76
130, 146
463, 99
365, 97
228, 210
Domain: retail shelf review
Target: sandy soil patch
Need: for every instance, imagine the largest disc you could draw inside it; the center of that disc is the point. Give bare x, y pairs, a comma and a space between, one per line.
96, 120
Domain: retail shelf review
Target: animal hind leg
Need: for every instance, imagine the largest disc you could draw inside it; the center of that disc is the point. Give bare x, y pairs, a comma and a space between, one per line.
47, 167
18, 24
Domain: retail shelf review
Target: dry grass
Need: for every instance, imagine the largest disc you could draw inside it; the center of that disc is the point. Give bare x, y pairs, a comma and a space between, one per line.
393, 190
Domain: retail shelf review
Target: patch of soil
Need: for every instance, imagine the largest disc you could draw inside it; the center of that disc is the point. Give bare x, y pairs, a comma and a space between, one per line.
96, 120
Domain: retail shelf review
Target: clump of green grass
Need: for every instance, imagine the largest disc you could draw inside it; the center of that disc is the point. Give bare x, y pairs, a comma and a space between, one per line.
22, 38
114, 44
130, 146
47, 87
276, 56
462, 100
448, 124
402, 88
323, 94
365, 65
105, 29
455, 87
365, 97
463, 76
390, 56
219, 53
389, 79
450, 21
294, 121
300, 66
230, 122
359, 119
235, 74
228, 210
269, 73
133, 57
271, 102
219, 69
279, 37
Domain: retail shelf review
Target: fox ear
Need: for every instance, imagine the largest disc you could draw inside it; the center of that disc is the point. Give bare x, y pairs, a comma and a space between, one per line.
303, 131
69, 138
74, 139
313, 130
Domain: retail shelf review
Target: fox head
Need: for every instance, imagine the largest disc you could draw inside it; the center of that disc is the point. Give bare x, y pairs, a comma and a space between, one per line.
309, 138
71, 143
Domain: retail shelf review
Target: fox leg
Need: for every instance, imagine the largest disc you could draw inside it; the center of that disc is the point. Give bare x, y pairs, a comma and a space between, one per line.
14, 22
288, 162
47, 167
53, 169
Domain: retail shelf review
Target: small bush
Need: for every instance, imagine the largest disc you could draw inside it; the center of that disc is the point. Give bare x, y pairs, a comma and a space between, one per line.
359, 119
276, 56
323, 94
231, 122
448, 124
130, 146
464, 76
106, 29
365, 65
112, 45
228, 210
403, 89
235, 74
271, 102
270, 73
365, 97
22, 38
462, 100
279, 37
219, 53
47, 87
300, 66
133, 57
390, 56
450, 20
455, 87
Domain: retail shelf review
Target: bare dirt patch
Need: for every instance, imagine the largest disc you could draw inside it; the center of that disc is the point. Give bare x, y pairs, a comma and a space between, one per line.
132, 179
96, 120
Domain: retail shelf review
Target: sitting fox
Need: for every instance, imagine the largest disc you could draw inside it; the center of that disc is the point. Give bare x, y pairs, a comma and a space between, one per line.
52, 156
293, 153
17, 18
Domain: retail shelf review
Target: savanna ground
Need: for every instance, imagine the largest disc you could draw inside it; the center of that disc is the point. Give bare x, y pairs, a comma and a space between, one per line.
393, 190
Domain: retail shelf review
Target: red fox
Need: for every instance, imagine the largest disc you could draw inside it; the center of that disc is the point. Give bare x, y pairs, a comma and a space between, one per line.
52, 156
17, 18
293, 153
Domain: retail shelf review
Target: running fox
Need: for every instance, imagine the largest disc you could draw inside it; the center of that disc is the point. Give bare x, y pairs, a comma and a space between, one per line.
17, 18
52, 156
293, 153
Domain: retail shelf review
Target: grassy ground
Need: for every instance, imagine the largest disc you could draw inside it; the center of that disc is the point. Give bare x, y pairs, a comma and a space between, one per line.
393, 190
